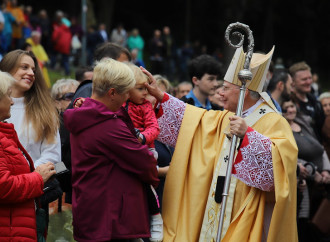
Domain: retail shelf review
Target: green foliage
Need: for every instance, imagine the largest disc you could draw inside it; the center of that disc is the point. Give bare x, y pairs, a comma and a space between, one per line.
55, 75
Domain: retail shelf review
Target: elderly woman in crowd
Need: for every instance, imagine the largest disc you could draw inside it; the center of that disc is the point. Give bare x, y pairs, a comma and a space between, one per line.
33, 114
109, 202
325, 101
20, 182
62, 92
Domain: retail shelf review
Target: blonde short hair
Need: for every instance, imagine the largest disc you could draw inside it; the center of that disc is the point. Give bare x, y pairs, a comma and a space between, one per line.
139, 76
300, 66
6, 81
109, 73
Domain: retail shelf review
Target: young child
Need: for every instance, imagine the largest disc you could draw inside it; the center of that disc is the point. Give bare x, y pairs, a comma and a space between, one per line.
145, 122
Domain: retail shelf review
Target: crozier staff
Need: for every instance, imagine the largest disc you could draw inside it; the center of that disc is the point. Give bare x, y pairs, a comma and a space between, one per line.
244, 75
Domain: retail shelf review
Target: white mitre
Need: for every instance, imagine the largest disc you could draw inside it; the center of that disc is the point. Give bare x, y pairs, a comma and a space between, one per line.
258, 66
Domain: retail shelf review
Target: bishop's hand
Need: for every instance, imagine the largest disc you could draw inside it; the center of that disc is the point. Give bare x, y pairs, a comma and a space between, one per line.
238, 126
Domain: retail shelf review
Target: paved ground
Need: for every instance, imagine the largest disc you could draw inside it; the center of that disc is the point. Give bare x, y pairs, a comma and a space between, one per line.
60, 223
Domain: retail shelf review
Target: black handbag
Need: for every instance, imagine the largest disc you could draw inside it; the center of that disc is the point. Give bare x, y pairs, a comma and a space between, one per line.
52, 188
41, 215
52, 191
63, 175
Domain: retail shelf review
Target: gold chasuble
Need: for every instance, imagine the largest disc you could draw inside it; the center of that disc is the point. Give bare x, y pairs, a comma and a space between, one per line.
189, 182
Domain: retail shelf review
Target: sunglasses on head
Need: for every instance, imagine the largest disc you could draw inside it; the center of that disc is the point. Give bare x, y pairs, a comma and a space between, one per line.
67, 96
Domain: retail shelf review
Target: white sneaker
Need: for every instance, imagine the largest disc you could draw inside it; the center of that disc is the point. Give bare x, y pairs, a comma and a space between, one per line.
156, 228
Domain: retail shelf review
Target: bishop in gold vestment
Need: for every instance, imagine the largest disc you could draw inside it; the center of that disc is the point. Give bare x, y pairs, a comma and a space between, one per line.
262, 201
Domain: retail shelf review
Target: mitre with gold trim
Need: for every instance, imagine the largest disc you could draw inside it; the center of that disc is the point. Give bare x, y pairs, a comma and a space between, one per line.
258, 66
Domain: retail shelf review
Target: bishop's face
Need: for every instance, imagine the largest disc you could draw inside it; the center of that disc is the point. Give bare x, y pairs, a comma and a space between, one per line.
229, 95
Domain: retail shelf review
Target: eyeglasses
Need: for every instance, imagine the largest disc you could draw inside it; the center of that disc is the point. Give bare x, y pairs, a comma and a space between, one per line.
67, 96
225, 89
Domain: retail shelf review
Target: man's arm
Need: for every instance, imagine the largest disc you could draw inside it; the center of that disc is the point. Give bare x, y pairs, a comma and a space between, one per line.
170, 114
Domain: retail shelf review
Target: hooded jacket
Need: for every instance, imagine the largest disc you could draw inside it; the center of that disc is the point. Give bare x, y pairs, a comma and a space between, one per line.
110, 170
18, 188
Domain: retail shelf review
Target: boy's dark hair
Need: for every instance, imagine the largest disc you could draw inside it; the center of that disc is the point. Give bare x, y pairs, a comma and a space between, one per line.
112, 50
204, 64
281, 75
79, 74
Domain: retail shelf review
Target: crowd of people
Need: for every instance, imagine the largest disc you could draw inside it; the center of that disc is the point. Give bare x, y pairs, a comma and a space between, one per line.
146, 156
58, 38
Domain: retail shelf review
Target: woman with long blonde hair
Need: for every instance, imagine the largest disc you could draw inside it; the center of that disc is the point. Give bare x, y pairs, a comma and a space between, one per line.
33, 114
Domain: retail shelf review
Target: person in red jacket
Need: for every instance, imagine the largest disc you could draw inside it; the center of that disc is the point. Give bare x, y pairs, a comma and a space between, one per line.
61, 40
20, 183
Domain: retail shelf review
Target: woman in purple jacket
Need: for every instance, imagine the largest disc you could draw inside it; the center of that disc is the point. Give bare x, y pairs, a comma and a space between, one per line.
109, 166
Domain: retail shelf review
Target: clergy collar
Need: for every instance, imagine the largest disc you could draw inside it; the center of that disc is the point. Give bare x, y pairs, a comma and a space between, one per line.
251, 109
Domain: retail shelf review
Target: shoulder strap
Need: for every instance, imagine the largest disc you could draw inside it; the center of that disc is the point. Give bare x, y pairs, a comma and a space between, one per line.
27, 156
29, 159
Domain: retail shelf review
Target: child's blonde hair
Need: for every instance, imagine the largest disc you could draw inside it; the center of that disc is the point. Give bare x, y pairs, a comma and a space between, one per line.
139, 76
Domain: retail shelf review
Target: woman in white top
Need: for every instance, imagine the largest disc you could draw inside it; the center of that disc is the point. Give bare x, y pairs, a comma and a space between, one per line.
33, 114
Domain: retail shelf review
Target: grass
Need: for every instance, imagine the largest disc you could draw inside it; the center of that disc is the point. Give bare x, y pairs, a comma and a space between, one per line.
55, 75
